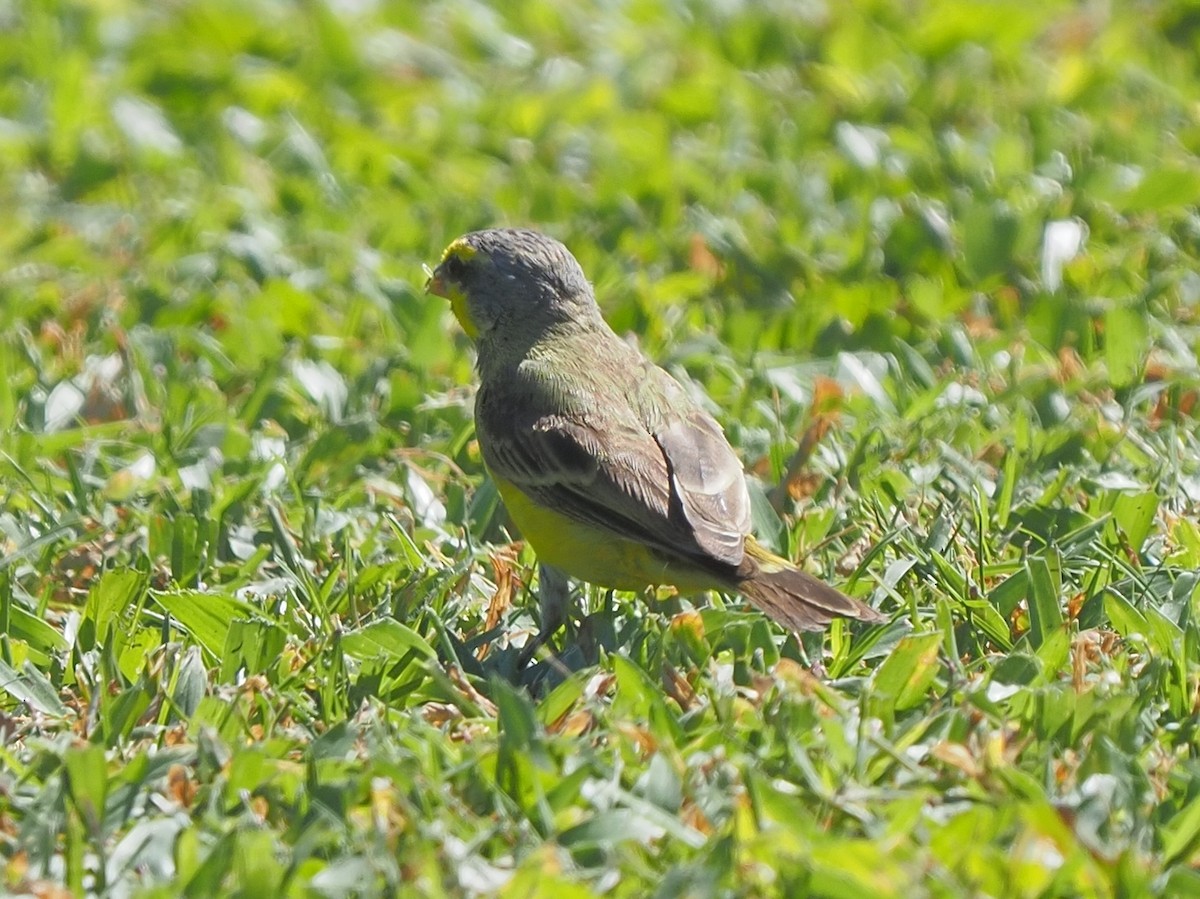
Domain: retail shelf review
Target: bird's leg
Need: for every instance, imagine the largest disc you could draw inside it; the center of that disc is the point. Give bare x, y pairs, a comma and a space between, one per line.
554, 600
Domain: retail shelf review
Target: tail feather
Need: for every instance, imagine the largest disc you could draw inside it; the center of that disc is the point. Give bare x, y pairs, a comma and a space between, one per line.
795, 598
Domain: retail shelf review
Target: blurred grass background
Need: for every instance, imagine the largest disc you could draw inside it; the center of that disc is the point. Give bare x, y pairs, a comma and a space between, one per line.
255, 588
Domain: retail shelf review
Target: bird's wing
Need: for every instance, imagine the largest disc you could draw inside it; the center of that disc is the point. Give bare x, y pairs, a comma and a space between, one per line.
659, 472
706, 476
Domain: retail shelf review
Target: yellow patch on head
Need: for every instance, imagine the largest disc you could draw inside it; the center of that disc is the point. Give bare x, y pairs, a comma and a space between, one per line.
460, 249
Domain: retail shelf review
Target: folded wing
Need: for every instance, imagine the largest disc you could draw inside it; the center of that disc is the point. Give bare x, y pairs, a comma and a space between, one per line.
658, 471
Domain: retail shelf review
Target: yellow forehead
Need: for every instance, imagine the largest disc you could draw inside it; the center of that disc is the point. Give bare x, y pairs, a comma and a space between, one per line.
460, 249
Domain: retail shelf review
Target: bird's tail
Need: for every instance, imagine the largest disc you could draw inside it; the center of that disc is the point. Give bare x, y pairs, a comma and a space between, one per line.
795, 598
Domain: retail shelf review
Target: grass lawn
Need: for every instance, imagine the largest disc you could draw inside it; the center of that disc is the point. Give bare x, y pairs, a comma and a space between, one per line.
937, 266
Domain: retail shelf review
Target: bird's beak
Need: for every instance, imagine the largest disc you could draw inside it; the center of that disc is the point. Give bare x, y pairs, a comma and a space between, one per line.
435, 283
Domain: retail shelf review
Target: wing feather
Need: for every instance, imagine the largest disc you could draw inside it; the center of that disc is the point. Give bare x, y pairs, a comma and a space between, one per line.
706, 475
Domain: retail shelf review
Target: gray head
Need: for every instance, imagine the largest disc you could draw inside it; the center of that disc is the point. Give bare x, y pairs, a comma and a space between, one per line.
512, 284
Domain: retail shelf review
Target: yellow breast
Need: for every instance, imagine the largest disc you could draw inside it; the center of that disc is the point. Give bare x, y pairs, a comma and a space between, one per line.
596, 555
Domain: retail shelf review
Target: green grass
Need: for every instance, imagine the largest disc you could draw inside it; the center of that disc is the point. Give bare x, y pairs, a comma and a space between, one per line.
254, 590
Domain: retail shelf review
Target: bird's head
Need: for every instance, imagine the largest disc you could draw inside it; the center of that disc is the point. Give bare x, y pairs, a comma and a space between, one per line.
508, 283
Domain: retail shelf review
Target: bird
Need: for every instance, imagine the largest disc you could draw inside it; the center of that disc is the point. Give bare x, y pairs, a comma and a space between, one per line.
611, 471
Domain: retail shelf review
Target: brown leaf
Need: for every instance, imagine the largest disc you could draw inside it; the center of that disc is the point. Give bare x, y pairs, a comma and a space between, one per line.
573, 723
701, 258
260, 807
504, 567
180, 785
645, 742
693, 816
956, 755
827, 396
677, 687
979, 327
440, 714
1070, 365
823, 414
